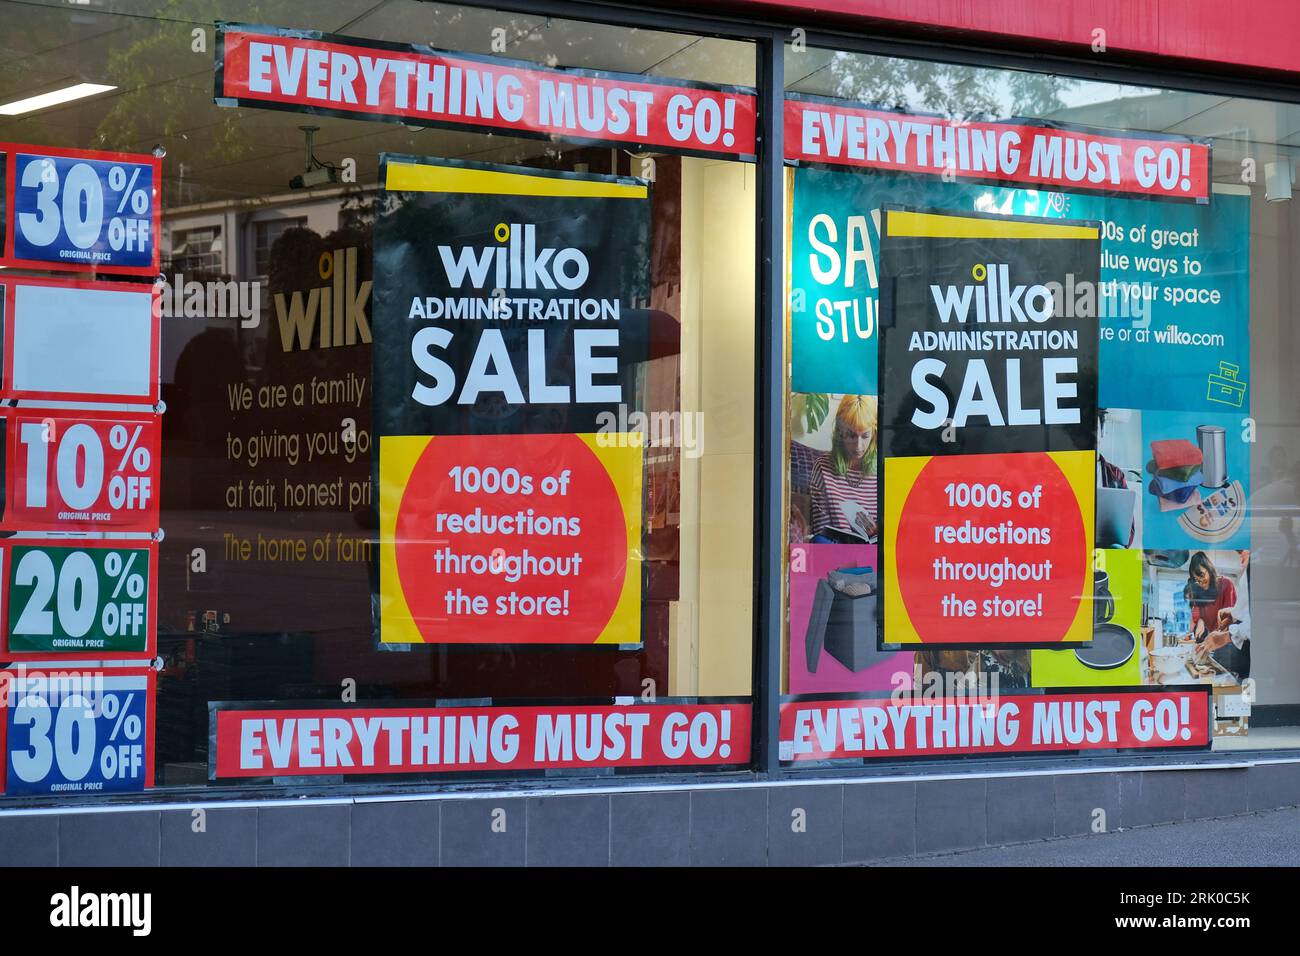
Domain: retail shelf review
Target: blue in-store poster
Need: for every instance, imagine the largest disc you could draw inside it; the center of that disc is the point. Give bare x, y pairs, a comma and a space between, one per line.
1195, 480
835, 255
1173, 302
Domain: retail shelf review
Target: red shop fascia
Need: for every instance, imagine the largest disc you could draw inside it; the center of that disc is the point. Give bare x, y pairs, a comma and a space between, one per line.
1212, 37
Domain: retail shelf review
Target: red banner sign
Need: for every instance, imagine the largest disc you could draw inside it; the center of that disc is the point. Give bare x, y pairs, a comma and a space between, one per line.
826, 131
260, 743
82, 471
1098, 720
413, 83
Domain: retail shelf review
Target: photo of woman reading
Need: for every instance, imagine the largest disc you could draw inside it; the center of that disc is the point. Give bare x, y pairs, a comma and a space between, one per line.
843, 490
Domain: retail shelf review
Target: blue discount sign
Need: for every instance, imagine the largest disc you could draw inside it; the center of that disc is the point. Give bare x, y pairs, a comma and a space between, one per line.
79, 731
84, 210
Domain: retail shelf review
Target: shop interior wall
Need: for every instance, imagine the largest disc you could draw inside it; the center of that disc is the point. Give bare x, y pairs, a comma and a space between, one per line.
1275, 360
718, 203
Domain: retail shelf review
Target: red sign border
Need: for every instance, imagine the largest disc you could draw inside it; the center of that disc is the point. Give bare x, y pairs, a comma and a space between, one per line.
151, 600
149, 520
9, 285
11, 217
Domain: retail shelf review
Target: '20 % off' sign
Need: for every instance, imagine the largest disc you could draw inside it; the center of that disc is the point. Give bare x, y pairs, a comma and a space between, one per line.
83, 471
80, 731
90, 598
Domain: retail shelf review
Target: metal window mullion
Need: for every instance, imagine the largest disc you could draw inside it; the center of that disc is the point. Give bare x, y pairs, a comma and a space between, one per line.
769, 563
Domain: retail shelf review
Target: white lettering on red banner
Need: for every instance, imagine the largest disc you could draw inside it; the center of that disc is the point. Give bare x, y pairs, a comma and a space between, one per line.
254, 743
339, 75
831, 729
1064, 158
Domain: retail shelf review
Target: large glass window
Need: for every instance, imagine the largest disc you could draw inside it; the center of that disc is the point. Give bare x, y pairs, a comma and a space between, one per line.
927, 200
458, 429
379, 402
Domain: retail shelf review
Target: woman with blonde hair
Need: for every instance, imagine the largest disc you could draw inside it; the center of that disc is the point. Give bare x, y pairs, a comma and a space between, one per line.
844, 489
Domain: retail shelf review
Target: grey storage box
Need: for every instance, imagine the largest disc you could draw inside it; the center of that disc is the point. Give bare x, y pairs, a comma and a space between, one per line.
843, 624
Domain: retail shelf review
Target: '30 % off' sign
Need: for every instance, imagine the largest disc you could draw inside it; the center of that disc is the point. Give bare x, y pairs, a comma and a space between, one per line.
79, 209
79, 731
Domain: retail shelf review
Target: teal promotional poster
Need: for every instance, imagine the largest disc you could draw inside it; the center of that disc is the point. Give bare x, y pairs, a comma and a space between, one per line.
1173, 308
1186, 347
1174, 301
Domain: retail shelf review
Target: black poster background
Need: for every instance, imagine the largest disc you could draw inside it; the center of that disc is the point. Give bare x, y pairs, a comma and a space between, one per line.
909, 266
614, 235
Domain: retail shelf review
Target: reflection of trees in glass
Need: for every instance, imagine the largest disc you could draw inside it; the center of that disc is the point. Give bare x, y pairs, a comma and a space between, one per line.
950, 89
167, 87
807, 412
39, 33
360, 207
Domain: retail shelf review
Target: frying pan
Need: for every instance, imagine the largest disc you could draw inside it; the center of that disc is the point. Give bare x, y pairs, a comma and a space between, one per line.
1112, 646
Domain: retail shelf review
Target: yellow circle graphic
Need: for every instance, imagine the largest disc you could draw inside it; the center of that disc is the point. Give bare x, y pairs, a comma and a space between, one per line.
978, 271
326, 265
502, 232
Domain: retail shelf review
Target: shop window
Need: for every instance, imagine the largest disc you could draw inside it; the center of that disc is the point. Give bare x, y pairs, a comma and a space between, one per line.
462, 441
453, 455
198, 252
265, 235
923, 620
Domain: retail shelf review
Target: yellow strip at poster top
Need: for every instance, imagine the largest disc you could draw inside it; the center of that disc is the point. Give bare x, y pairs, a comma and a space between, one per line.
427, 178
943, 226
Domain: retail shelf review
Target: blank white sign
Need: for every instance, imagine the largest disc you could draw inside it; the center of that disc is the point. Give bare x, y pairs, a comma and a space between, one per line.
84, 341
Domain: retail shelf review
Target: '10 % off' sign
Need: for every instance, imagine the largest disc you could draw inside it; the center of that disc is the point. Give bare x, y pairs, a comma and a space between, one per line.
83, 471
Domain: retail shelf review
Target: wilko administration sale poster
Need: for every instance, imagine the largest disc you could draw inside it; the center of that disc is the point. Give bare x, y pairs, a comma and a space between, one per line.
988, 429
510, 322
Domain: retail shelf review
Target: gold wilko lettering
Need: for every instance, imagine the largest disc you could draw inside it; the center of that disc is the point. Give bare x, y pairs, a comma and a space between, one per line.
333, 314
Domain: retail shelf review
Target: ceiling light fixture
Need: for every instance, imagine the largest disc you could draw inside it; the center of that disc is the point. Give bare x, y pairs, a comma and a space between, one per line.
1278, 181
54, 98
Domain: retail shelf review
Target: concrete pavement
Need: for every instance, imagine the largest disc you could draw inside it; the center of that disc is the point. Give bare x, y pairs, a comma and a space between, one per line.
1270, 838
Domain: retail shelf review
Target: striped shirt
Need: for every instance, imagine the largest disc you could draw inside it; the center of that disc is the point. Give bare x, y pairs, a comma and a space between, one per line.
828, 490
